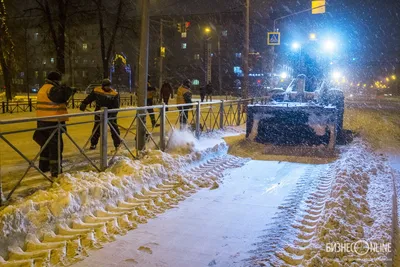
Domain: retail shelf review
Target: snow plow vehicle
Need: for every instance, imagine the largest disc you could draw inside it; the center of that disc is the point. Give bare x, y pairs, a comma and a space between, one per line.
297, 116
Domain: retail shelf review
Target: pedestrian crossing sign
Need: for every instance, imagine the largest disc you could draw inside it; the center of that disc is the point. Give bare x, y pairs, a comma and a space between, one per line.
274, 38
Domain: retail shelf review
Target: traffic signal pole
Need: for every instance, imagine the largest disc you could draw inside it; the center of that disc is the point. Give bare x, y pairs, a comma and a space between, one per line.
245, 93
143, 73
160, 82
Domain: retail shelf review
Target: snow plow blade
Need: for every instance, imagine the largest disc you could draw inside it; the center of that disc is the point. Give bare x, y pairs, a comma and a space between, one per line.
292, 124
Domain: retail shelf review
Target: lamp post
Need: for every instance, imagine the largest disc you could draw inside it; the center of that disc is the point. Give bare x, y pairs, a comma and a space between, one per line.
207, 56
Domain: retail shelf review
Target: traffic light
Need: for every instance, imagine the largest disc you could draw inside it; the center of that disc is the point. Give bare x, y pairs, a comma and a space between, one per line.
317, 6
187, 25
162, 51
179, 25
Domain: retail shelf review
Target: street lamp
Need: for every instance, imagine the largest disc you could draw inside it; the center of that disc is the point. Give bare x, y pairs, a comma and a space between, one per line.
207, 30
393, 77
284, 75
296, 46
329, 45
336, 75
313, 36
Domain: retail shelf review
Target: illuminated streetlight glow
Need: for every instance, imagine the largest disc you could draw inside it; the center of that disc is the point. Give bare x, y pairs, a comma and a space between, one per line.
387, 79
295, 45
283, 75
393, 77
336, 75
207, 30
329, 45
313, 36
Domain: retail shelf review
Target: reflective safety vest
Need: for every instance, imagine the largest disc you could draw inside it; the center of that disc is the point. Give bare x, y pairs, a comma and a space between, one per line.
150, 93
45, 107
179, 95
99, 90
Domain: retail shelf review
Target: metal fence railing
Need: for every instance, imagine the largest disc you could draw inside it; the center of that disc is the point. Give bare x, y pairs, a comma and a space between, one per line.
29, 105
19, 153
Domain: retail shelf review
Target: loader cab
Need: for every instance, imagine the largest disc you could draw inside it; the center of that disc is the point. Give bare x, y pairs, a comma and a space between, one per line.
302, 89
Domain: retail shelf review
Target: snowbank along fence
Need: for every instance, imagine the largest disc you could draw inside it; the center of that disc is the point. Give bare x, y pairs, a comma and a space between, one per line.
20, 153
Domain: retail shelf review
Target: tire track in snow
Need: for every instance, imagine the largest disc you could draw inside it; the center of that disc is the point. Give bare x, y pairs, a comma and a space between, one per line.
294, 225
71, 240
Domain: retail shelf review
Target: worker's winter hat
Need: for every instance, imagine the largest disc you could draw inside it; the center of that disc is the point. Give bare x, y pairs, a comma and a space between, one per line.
106, 82
54, 76
187, 82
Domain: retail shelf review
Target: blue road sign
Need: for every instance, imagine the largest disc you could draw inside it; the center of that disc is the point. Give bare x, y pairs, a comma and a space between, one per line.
274, 38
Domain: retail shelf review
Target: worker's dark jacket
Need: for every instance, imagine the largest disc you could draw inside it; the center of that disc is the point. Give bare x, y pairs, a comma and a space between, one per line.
103, 98
166, 91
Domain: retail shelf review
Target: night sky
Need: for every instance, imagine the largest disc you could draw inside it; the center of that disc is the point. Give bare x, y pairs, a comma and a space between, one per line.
367, 30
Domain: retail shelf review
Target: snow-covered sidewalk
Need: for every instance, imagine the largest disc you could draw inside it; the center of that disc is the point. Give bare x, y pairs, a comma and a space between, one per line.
212, 227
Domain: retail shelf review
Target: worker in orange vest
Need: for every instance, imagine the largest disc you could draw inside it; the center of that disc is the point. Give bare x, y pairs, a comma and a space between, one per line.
52, 100
184, 96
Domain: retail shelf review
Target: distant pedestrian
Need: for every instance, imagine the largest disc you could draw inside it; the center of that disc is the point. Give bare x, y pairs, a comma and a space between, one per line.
202, 93
166, 93
52, 100
105, 97
184, 96
151, 94
209, 91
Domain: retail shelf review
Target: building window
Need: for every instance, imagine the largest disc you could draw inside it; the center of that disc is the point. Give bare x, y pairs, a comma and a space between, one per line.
52, 60
183, 34
44, 74
85, 61
93, 46
197, 56
84, 47
36, 35
184, 45
36, 74
44, 61
93, 61
196, 82
76, 60
224, 33
83, 74
238, 55
212, 54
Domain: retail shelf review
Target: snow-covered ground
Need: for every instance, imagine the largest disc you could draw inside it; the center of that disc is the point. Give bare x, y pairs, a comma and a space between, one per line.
213, 227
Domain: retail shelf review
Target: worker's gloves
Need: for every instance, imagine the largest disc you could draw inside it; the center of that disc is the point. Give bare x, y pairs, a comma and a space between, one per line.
82, 107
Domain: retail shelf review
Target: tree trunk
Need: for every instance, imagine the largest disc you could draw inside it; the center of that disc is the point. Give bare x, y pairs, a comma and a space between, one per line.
102, 39
6, 74
106, 55
6, 51
62, 8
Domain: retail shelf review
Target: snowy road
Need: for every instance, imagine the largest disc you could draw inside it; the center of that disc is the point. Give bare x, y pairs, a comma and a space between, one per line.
213, 227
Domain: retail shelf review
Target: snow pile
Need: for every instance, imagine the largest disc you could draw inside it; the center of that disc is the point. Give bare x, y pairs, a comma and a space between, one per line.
359, 209
81, 194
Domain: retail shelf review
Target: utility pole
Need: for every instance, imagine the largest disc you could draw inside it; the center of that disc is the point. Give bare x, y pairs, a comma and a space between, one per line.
26, 61
143, 68
245, 86
219, 62
160, 82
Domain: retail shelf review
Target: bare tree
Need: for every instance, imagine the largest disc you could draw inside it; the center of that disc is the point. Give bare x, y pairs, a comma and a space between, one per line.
56, 13
107, 49
6, 51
